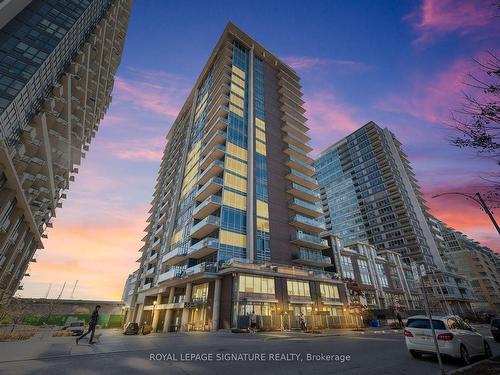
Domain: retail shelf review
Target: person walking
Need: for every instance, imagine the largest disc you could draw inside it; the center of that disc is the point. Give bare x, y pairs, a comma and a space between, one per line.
400, 320
92, 325
253, 322
302, 318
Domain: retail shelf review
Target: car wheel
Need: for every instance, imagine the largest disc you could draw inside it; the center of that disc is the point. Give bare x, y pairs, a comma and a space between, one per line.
415, 354
464, 355
487, 350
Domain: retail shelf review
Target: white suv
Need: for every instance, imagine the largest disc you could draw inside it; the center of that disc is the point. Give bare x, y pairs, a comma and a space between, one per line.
454, 336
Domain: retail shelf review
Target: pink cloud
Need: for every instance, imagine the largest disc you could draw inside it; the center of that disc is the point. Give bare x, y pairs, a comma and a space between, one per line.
329, 118
305, 63
432, 98
145, 149
153, 91
437, 17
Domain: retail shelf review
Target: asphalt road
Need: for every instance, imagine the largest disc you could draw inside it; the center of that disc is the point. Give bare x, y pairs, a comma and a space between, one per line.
221, 353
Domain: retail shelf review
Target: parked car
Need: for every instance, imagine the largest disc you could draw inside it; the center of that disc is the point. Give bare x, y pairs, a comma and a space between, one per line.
131, 329
76, 327
454, 336
495, 329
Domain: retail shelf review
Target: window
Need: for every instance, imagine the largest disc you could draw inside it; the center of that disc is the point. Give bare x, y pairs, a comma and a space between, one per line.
200, 292
329, 291
364, 272
262, 209
346, 265
235, 182
381, 275
424, 323
234, 200
233, 239
256, 284
298, 288
237, 151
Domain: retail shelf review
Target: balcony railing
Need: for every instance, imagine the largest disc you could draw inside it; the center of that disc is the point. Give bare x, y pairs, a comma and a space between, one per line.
307, 208
307, 223
309, 240
208, 206
200, 268
205, 227
175, 255
203, 248
312, 257
309, 192
211, 187
173, 273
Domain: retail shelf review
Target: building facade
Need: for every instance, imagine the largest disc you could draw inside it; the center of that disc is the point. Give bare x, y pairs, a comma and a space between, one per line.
370, 194
382, 282
479, 265
57, 65
234, 224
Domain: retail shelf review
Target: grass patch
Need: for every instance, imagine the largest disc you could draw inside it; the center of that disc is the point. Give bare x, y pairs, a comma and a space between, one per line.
16, 336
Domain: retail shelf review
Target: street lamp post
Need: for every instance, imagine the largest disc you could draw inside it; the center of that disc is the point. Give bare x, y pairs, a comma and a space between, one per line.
479, 200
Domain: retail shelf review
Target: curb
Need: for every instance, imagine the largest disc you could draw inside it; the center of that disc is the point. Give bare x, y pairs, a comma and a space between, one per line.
461, 370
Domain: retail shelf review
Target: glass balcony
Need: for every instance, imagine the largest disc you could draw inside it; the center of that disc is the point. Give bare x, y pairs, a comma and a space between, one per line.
298, 153
207, 207
156, 244
302, 179
298, 133
216, 123
201, 268
210, 188
218, 138
175, 256
203, 248
215, 154
311, 257
173, 273
303, 193
309, 240
300, 166
305, 208
205, 227
212, 170
308, 224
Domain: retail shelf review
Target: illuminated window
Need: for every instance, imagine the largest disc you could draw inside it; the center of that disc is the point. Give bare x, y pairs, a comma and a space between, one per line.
237, 80
263, 224
238, 90
233, 239
237, 100
260, 147
259, 134
262, 209
235, 110
237, 151
234, 200
256, 284
238, 71
236, 166
235, 182
177, 236
200, 292
260, 123
329, 291
298, 288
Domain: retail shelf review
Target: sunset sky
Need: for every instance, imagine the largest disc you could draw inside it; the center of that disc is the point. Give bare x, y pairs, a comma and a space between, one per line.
401, 64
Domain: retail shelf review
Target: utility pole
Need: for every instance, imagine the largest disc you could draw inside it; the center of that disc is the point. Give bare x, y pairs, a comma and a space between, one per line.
429, 315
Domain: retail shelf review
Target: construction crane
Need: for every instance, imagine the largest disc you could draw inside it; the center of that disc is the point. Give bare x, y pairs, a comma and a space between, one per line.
48, 291
62, 290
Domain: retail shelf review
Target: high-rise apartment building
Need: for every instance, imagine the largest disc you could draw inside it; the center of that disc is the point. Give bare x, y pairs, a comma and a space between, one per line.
58, 59
370, 194
235, 225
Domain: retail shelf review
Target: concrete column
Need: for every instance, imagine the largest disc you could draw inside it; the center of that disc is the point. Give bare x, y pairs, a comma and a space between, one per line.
156, 312
216, 306
185, 311
168, 313
139, 308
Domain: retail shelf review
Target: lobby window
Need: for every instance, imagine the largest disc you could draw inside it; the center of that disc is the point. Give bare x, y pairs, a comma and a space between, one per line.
200, 292
298, 288
256, 284
329, 291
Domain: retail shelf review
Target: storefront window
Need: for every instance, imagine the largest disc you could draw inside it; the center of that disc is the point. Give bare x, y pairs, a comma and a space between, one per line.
298, 288
200, 292
329, 291
256, 284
